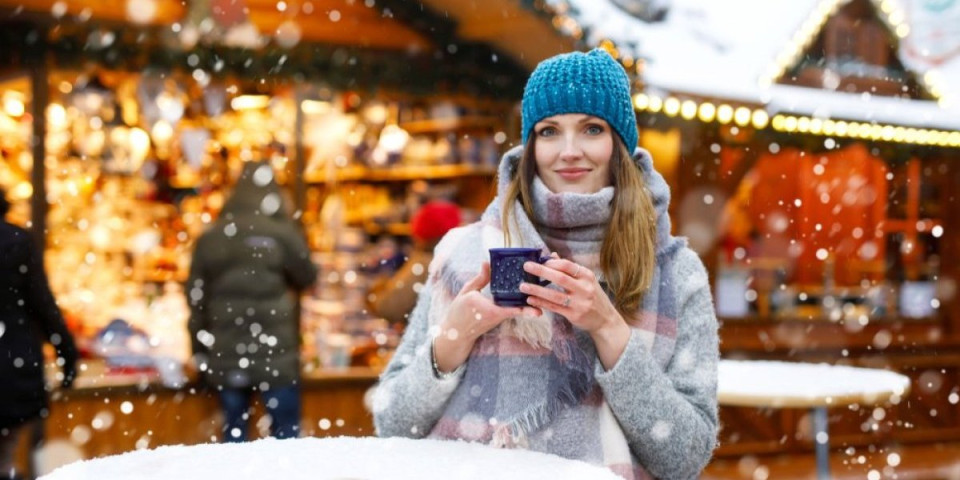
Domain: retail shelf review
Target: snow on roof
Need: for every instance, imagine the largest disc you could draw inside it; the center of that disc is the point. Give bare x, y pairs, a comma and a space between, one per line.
722, 50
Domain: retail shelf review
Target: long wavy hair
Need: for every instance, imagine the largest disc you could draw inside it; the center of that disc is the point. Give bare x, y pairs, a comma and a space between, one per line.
628, 252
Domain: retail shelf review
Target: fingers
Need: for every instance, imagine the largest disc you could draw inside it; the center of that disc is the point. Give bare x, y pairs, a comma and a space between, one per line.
474, 314
503, 313
545, 294
569, 267
483, 307
559, 272
479, 281
529, 312
487, 308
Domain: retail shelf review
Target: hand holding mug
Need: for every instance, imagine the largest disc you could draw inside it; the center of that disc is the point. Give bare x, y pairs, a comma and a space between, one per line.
471, 314
580, 298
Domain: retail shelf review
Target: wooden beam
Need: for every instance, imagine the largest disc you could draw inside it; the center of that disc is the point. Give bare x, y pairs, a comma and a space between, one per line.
168, 11
320, 8
354, 24
487, 24
507, 26
365, 31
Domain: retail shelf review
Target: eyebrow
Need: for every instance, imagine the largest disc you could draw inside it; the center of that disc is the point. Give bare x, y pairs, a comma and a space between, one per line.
585, 119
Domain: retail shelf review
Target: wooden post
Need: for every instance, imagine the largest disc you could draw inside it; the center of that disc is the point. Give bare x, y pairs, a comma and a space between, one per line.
300, 161
37, 64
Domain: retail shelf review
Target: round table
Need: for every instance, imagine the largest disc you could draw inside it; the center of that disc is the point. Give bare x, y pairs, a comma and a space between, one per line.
338, 458
774, 384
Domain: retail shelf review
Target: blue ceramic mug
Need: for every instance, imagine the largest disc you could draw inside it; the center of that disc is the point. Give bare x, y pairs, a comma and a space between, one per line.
506, 274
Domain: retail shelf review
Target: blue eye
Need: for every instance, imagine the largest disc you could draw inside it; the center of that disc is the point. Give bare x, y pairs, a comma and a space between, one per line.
594, 129
547, 132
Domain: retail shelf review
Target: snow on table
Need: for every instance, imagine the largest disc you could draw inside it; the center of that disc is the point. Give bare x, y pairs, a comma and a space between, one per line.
756, 383
340, 458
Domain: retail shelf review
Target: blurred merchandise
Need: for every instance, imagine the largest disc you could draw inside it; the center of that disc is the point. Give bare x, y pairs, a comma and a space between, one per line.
124, 347
138, 165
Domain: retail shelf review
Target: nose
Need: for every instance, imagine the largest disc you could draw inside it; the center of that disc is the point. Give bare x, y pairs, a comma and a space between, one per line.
571, 148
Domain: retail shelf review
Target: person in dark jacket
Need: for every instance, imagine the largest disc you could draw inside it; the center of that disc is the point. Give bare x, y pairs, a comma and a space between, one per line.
28, 316
245, 274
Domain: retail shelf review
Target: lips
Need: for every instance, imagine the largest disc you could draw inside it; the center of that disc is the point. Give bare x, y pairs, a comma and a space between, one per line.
572, 173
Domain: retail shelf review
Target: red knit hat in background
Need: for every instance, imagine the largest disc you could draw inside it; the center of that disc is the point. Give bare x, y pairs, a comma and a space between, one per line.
433, 220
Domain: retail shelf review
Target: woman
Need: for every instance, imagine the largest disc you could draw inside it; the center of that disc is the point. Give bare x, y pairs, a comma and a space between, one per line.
615, 362
246, 270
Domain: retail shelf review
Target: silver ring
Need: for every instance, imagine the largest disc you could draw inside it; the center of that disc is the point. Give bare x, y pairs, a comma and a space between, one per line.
566, 302
577, 273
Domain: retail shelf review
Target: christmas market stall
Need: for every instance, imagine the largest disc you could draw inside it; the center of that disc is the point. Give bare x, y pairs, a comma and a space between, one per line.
813, 149
124, 124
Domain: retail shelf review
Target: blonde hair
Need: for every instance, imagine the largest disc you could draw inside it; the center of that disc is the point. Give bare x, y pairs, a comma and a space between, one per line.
631, 233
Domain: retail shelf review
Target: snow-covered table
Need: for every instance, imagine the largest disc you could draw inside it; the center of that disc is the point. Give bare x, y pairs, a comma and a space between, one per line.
761, 383
339, 458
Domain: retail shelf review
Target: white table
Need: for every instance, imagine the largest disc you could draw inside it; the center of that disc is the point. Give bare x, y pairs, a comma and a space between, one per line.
333, 458
774, 384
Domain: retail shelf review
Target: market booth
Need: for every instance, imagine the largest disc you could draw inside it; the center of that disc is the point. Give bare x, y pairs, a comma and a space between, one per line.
813, 151
811, 148
124, 124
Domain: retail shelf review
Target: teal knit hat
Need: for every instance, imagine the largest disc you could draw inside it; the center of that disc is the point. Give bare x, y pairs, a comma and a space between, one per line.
592, 83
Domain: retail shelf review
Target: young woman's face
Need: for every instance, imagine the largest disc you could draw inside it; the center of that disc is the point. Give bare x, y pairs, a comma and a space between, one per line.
573, 152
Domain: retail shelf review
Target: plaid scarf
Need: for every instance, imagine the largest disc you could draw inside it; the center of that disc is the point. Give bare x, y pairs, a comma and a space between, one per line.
529, 382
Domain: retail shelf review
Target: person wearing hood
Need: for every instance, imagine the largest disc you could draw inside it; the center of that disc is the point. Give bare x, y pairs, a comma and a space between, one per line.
29, 316
245, 275
614, 362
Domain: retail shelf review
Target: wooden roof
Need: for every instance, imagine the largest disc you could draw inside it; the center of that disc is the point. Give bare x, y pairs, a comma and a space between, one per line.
335, 22
505, 25
485, 48
477, 47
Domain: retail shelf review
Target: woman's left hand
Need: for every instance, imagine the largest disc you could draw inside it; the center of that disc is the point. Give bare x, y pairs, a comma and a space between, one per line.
582, 301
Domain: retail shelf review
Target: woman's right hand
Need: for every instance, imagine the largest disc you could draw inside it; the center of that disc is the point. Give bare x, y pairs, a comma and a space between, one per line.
471, 314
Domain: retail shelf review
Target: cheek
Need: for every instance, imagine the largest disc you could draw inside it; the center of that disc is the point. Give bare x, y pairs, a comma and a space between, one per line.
602, 151
608, 148
602, 156
544, 155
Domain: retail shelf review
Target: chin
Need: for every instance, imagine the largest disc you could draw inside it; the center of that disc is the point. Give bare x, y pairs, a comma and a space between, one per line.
580, 187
